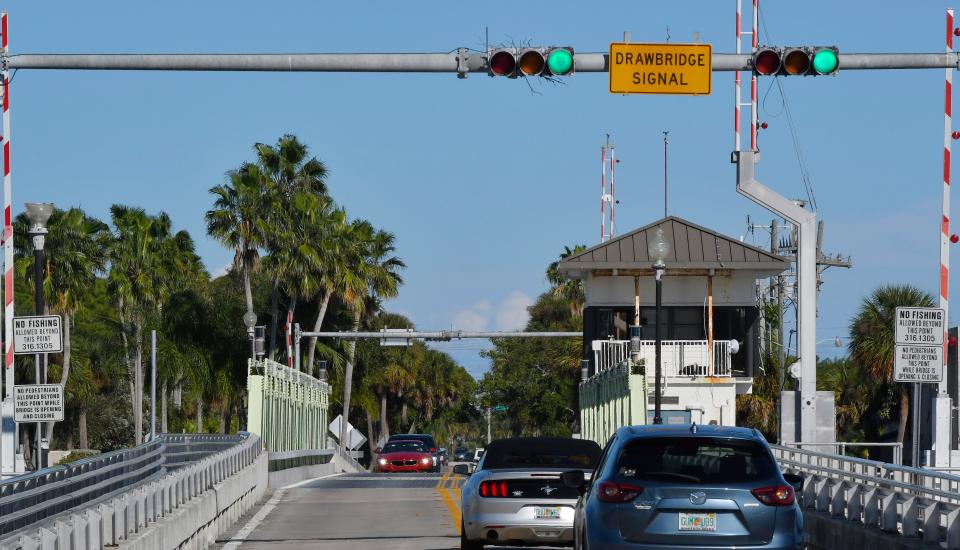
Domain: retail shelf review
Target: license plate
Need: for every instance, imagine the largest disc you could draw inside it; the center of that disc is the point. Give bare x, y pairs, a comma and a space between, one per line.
698, 522
547, 512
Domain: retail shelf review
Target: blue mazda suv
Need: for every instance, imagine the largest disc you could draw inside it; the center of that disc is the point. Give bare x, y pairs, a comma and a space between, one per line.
689, 486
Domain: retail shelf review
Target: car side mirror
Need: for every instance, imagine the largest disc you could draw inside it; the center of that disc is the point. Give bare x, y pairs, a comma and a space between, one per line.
461, 469
574, 479
795, 481
377, 450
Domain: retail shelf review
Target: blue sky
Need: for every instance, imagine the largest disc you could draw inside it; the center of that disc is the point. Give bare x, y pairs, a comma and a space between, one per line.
484, 180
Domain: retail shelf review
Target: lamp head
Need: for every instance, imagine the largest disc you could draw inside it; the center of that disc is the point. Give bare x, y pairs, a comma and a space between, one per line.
39, 213
250, 320
659, 248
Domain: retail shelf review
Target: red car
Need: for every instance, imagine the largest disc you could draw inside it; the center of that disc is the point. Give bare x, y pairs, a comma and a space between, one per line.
404, 456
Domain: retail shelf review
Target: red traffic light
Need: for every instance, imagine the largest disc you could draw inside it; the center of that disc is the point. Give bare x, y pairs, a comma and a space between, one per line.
954, 238
503, 63
766, 61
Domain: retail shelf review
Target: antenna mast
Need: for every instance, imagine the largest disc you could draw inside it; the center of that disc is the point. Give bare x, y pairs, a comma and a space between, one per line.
607, 200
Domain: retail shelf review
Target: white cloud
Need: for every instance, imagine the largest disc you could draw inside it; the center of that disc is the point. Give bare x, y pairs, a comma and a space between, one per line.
512, 312
470, 319
222, 271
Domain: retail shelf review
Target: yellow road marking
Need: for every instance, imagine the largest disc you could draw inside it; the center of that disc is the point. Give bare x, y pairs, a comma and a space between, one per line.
452, 507
442, 479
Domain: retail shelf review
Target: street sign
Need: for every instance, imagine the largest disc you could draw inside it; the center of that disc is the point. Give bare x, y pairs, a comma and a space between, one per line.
923, 326
38, 403
922, 364
500, 408
392, 337
37, 334
660, 68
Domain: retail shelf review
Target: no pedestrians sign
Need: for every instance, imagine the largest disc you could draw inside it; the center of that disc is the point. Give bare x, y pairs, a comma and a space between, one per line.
37, 334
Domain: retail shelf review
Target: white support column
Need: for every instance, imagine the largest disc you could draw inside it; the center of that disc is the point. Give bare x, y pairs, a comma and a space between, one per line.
806, 221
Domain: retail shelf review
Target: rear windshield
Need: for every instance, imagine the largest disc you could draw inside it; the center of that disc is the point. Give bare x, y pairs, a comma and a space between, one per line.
695, 460
561, 453
404, 447
427, 439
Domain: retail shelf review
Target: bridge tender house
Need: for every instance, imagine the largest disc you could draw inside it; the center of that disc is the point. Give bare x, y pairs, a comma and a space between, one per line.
661, 68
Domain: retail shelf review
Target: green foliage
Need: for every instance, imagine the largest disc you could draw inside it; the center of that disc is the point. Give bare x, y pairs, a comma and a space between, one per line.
537, 377
74, 456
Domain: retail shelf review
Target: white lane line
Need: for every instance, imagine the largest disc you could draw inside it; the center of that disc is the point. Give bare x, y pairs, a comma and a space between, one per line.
255, 521
311, 480
264, 511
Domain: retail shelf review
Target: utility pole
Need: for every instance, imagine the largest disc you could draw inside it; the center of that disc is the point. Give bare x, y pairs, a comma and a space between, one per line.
489, 439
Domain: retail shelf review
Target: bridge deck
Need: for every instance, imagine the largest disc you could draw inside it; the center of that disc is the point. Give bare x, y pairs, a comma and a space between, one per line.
357, 512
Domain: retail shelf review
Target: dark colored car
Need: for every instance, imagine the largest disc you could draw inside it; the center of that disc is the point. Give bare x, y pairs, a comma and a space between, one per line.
516, 498
462, 454
682, 487
404, 456
427, 440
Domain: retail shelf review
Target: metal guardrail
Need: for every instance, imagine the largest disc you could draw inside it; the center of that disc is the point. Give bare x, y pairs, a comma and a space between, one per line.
27, 499
911, 502
840, 447
130, 512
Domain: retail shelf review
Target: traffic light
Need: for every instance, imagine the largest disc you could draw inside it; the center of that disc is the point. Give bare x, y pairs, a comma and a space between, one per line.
520, 62
793, 61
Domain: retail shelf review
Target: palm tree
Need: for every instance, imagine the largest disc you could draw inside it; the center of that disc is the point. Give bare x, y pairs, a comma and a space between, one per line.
562, 287
872, 338
75, 253
148, 263
372, 272
286, 169
237, 219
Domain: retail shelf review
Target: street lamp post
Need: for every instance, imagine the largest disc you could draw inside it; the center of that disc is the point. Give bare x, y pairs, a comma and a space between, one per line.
250, 320
658, 249
39, 214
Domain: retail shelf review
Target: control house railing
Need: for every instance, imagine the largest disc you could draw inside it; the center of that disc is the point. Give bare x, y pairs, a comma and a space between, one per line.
685, 358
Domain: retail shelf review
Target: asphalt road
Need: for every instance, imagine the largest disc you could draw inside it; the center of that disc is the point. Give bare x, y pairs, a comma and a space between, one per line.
356, 512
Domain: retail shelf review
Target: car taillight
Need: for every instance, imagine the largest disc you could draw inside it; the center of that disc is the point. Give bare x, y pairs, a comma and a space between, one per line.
493, 489
780, 495
617, 492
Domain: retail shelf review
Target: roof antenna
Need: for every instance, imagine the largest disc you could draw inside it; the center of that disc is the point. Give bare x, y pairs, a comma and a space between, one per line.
666, 142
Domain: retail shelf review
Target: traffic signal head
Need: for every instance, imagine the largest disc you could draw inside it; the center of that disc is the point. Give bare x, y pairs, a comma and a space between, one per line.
502, 63
512, 62
795, 61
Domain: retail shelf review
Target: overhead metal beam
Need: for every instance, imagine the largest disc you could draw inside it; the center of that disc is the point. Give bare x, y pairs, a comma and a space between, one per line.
459, 61
438, 335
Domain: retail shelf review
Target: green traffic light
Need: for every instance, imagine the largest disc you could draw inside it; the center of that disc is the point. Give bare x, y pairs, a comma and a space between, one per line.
825, 61
560, 61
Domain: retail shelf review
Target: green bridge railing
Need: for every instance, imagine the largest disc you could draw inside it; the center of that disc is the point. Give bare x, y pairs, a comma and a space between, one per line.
286, 408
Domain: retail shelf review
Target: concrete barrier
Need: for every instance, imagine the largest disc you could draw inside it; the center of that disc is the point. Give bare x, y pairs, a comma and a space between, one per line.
197, 524
825, 532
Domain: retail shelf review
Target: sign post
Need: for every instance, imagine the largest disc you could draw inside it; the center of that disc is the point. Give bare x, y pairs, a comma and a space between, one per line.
918, 356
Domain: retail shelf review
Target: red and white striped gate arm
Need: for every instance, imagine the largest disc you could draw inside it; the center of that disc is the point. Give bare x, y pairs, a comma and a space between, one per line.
7, 222
945, 220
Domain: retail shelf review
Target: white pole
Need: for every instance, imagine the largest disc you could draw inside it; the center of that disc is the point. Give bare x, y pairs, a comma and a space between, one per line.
942, 406
153, 384
8, 429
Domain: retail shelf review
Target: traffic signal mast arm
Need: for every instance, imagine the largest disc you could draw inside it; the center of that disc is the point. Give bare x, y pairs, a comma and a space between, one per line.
460, 61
